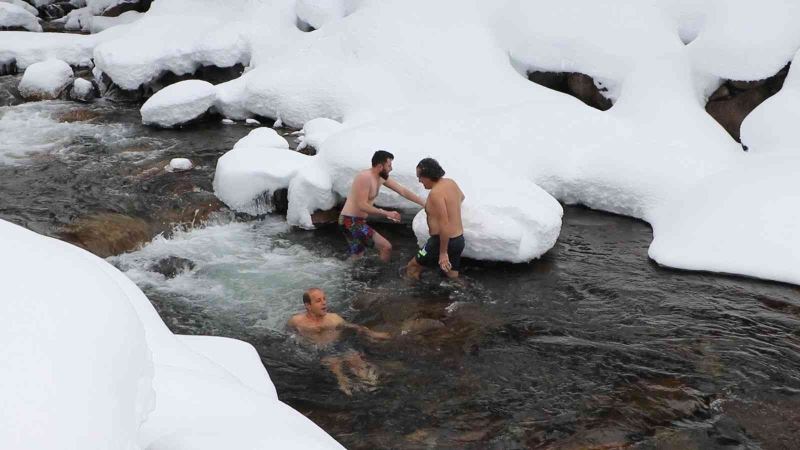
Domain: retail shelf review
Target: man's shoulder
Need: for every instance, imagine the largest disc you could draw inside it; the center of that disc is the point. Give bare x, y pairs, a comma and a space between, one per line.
296, 319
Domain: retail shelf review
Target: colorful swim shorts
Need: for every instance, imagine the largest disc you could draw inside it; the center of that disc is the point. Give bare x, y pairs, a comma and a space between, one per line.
357, 233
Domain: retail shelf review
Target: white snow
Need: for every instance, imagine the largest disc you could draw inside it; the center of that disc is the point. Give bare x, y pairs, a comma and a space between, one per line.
13, 15
253, 122
87, 361
83, 19
98, 7
45, 80
179, 165
228, 122
178, 103
82, 90
24, 5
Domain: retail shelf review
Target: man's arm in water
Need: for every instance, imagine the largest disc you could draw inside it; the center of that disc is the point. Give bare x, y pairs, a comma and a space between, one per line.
361, 186
366, 331
404, 192
439, 212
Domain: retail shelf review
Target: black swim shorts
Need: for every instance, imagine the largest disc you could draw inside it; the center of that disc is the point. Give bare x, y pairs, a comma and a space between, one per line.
429, 254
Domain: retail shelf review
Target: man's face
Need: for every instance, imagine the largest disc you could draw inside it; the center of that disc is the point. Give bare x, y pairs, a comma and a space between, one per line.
318, 306
386, 168
426, 182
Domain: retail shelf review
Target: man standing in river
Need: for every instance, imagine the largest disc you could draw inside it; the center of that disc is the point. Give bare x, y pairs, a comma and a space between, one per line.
359, 204
324, 331
443, 209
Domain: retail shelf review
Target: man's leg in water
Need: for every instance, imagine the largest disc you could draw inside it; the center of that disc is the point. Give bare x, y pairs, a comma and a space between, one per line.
335, 365
360, 368
383, 245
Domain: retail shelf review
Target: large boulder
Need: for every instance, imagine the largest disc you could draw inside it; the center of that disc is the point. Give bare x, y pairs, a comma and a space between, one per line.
15, 17
45, 80
179, 103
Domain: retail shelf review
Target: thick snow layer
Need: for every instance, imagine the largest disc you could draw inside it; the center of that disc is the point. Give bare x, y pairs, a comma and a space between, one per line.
89, 337
319, 12
24, 5
259, 164
13, 16
46, 79
742, 221
179, 103
100, 23
772, 126
77, 371
82, 90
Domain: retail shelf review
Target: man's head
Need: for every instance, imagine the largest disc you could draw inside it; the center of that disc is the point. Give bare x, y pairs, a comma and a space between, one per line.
383, 159
429, 172
315, 302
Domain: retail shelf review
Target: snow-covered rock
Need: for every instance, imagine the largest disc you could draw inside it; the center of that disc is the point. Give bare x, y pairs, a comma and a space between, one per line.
45, 80
13, 16
24, 5
178, 103
101, 23
82, 90
89, 337
319, 12
259, 164
179, 165
743, 220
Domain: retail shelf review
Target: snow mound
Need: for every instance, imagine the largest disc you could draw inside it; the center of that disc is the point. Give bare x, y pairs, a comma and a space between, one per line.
45, 80
259, 164
137, 384
179, 103
75, 362
743, 220
179, 165
15, 16
24, 5
82, 90
772, 126
319, 12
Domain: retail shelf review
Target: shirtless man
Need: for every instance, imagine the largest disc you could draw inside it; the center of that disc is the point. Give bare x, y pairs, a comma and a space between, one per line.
323, 330
443, 209
359, 205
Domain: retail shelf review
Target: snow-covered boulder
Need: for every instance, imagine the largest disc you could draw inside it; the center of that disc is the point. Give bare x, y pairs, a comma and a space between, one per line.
45, 80
77, 370
179, 165
13, 16
178, 103
82, 90
88, 363
744, 220
259, 164
319, 12
24, 5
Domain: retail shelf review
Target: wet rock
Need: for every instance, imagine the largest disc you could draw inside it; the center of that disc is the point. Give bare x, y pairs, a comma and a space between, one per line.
82, 91
212, 74
734, 100
171, 266
77, 115
108, 234
8, 67
55, 10
774, 421
578, 85
326, 217
127, 5
420, 326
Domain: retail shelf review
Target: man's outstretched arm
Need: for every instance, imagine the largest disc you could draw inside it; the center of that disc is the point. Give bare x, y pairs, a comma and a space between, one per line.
404, 192
366, 331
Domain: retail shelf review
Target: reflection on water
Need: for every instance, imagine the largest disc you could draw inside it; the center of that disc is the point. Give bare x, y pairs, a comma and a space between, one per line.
593, 346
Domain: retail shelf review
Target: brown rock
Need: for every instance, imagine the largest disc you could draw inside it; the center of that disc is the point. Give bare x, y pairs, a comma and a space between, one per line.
77, 115
129, 5
108, 234
583, 88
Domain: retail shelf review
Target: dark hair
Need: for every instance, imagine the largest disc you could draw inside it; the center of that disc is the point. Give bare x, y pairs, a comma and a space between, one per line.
307, 295
430, 168
380, 157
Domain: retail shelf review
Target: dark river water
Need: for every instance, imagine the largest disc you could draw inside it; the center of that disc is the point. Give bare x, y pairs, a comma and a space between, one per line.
593, 346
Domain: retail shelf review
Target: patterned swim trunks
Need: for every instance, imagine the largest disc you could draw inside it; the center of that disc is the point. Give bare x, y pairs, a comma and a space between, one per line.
357, 233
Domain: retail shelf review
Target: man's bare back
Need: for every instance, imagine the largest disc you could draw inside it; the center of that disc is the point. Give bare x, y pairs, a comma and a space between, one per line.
445, 191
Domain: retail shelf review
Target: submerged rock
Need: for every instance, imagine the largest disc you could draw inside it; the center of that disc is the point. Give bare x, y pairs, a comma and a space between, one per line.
171, 266
108, 234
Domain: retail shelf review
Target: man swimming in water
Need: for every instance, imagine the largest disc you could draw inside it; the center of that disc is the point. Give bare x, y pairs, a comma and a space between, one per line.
443, 209
359, 204
324, 330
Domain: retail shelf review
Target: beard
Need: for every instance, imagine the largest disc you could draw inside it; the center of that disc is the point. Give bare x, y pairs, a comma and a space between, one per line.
384, 174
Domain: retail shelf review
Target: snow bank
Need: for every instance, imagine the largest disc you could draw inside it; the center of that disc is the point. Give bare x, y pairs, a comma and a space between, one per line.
77, 371
45, 80
24, 5
15, 16
743, 221
87, 361
178, 103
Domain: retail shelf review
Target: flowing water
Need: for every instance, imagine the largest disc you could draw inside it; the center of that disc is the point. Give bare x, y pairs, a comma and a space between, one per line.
593, 346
